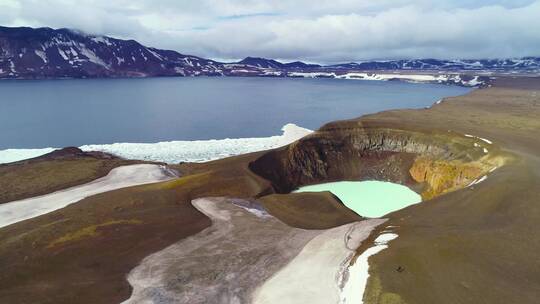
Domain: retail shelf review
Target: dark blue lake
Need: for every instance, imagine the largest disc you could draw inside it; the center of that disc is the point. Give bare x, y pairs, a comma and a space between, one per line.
57, 113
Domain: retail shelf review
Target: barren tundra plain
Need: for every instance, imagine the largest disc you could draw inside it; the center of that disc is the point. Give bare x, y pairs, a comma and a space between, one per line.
231, 231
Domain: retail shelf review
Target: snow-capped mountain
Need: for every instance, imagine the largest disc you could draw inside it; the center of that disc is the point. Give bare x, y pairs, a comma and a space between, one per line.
527, 64
28, 53
262, 63
45, 53
274, 64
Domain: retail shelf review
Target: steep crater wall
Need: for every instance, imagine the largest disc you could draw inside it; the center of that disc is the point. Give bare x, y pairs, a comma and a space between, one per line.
431, 163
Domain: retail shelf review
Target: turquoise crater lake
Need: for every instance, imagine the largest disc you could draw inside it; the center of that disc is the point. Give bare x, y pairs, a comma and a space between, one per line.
369, 198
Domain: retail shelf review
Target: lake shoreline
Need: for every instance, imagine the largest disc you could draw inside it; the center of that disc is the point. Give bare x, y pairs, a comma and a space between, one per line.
369, 198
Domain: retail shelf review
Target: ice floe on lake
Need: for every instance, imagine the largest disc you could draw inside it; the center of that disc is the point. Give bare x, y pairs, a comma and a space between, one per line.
200, 150
178, 151
13, 155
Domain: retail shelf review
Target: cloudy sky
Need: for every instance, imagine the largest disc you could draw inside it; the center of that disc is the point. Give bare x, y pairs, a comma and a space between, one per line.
315, 31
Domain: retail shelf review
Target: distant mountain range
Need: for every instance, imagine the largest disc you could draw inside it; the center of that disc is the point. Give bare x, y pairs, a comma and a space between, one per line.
28, 53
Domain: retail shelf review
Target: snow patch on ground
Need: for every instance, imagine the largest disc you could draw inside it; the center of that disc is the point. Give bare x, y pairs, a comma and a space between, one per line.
449, 78
41, 55
63, 54
311, 75
358, 273
479, 180
480, 138
385, 238
120, 177
315, 275
101, 39
92, 57
272, 73
73, 52
251, 207
486, 140
12, 66
155, 54
483, 178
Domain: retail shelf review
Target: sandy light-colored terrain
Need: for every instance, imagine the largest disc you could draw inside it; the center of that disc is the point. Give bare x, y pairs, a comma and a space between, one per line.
224, 263
248, 256
315, 275
121, 177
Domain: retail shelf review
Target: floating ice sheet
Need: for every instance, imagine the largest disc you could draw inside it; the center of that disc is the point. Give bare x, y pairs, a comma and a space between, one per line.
178, 151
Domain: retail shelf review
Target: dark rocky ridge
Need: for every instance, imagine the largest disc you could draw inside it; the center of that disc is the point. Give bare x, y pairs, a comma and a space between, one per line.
274, 64
28, 53
66, 153
530, 64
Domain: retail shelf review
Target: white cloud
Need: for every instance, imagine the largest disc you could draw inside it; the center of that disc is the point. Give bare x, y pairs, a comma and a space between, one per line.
338, 30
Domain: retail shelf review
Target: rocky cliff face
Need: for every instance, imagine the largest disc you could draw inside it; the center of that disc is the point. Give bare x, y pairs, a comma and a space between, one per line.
431, 163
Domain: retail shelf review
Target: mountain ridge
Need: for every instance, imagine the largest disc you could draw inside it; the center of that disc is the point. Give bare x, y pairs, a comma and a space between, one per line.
36, 53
